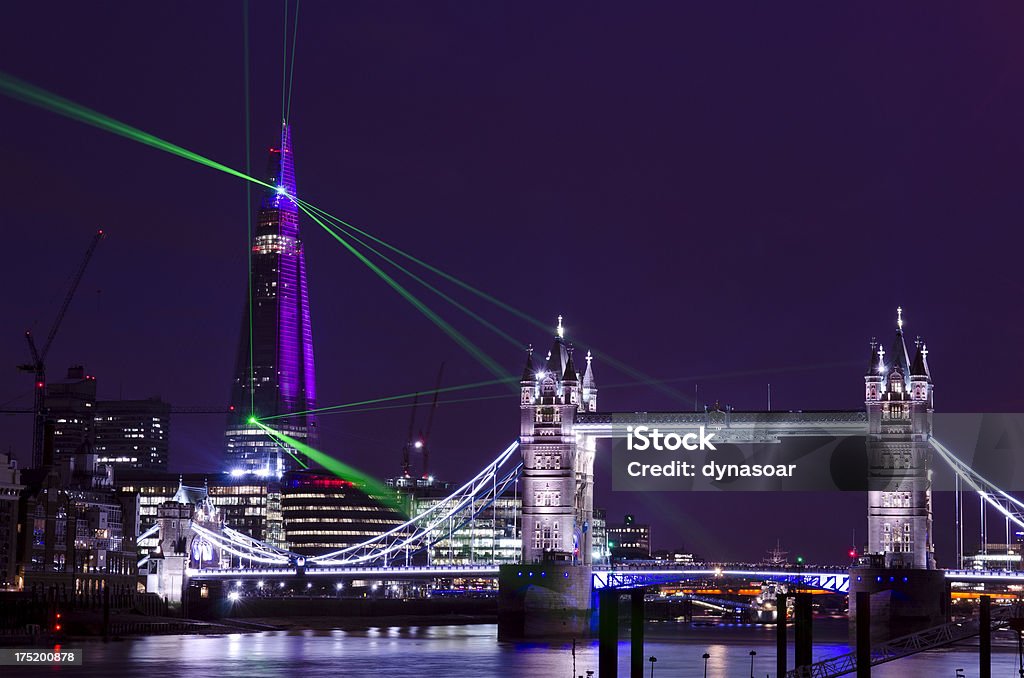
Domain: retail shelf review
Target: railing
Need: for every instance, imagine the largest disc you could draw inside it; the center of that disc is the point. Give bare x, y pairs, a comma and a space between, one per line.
904, 646
838, 582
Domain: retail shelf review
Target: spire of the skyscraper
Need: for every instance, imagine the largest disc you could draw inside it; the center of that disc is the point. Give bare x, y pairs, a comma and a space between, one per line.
275, 375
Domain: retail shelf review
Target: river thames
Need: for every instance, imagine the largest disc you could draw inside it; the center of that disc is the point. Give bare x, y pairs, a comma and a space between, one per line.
472, 652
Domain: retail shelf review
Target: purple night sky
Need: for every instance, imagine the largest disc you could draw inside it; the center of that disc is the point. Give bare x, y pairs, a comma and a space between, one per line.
715, 194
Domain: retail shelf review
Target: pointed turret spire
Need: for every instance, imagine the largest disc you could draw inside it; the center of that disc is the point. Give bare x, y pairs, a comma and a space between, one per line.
530, 370
558, 356
898, 354
920, 366
588, 373
873, 360
570, 369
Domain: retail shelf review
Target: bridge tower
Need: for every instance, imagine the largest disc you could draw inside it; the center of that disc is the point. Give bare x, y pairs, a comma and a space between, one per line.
898, 567
557, 482
169, 561
898, 397
549, 594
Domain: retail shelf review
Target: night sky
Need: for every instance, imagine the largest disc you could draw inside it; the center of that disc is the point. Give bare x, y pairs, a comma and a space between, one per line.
718, 194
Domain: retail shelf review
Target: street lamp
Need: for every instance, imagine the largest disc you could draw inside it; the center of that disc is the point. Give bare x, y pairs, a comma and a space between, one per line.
1017, 624
652, 659
706, 658
753, 653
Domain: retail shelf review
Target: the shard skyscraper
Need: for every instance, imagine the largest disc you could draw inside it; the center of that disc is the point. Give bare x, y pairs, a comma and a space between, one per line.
274, 374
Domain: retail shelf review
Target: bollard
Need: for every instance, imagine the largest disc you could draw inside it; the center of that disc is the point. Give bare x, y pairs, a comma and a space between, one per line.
863, 634
985, 637
802, 615
636, 634
780, 634
608, 633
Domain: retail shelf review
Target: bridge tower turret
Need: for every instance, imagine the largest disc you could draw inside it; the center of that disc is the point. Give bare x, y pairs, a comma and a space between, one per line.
549, 402
898, 571
588, 395
549, 593
898, 398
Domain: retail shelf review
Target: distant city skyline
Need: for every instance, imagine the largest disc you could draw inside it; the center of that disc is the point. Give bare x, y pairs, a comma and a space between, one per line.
717, 201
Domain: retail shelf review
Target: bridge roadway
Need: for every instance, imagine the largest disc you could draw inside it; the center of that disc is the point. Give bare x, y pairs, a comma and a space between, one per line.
835, 579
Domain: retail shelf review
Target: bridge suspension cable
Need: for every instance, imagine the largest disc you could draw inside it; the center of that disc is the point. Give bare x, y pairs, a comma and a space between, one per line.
1000, 500
436, 523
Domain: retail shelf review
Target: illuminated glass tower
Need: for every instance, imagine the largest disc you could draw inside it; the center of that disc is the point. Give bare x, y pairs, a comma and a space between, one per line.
274, 373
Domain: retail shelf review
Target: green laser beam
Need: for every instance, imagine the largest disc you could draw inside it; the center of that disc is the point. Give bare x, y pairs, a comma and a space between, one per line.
617, 364
23, 91
284, 446
31, 94
284, 58
291, 67
370, 485
478, 354
248, 195
403, 406
391, 398
462, 307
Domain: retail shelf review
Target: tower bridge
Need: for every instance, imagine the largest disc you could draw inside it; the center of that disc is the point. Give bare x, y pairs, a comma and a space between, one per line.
552, 591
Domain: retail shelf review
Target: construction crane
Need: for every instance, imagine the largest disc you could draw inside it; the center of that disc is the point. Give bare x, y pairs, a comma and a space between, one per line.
424, 440
406, 464
38, 364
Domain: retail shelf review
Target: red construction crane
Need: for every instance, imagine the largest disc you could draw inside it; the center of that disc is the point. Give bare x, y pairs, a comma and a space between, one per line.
38, 364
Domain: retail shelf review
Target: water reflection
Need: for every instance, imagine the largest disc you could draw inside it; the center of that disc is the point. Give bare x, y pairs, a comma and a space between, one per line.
472, 651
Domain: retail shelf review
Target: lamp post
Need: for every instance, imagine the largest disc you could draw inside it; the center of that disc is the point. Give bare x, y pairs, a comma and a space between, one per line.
1017, 624
652, 659
706, 657
753, 653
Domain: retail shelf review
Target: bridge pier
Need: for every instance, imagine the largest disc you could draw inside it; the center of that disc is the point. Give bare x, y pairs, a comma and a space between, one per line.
544, 600
863, 604
608, 633
902, 601
985, 637
636, 633
804, 643
781, 642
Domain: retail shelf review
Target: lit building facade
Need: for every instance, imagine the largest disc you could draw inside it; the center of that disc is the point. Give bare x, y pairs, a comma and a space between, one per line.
629, 540
246, 502
77, 533
494, 535
600, 555
324, 513
10, 493
132, 433
274, 372
71, 406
